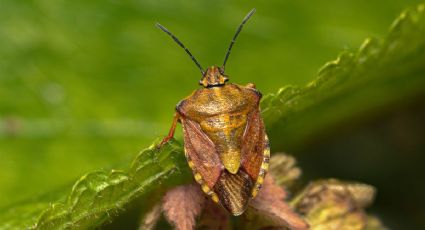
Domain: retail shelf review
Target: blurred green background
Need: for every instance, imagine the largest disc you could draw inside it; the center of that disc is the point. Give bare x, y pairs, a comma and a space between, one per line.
87, 84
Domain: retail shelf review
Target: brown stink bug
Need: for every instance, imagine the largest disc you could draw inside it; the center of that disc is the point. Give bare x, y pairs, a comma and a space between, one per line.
225, 142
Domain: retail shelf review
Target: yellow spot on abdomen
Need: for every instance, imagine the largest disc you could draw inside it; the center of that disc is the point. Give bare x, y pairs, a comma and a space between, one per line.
205, 188
198, 177
191, 164
265, 166
215, 198
260, 180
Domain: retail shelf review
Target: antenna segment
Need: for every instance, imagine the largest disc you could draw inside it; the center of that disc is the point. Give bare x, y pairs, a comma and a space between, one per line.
182, 46
236, 36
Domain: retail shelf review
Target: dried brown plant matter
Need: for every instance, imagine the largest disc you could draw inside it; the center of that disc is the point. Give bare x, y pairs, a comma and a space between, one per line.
324, 204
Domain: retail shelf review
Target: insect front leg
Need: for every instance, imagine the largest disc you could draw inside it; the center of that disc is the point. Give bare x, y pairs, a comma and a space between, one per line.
171, 132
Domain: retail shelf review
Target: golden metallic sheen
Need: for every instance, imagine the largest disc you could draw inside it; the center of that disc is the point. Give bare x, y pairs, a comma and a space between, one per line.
221, 113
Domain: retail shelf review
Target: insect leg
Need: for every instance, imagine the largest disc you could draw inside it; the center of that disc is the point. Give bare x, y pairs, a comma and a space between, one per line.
171, 132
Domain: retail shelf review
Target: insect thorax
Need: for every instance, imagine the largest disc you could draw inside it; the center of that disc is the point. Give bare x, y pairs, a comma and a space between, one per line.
222, 113
226, 99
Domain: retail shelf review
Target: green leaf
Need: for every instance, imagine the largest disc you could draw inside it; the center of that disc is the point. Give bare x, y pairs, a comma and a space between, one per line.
378, 75
99, 195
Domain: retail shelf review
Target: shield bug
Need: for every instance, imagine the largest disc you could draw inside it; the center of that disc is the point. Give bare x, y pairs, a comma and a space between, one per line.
225, 142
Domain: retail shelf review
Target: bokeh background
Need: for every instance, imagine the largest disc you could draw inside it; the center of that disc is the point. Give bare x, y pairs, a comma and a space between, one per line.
86, 85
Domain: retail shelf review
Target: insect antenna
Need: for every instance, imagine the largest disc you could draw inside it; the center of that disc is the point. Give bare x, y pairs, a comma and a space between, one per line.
182, 46
236, 36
